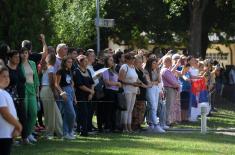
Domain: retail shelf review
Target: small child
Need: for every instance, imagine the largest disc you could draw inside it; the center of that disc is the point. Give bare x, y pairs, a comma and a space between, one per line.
9, 125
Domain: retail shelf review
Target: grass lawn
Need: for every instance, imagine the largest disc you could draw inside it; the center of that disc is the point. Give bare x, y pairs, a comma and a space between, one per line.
188, 143
224, 118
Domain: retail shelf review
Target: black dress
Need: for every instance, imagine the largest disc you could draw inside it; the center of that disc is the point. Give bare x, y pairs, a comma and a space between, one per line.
142, 95
84, 106
16, 89
82, 79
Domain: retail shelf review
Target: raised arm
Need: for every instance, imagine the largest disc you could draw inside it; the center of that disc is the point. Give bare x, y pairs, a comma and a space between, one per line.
45, 48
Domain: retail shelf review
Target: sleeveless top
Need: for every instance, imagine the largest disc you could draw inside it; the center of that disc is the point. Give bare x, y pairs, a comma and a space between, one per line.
130, 77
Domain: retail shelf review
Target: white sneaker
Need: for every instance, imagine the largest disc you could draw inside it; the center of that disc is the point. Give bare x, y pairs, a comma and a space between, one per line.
73, 136
165, 127
69, 137
158, 129
49, 137
192, 119
32, 139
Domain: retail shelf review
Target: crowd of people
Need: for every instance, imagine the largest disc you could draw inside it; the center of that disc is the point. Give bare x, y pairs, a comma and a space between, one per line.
60, 91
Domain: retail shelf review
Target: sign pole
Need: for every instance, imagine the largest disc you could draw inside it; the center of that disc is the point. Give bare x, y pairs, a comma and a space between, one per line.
97, 26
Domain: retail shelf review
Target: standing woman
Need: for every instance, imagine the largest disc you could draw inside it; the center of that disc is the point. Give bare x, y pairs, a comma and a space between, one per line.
152, 94
129, 79
112, 86
140, 104
29, 70
16, 87
119, 60
64, 84
84, 90
52, 115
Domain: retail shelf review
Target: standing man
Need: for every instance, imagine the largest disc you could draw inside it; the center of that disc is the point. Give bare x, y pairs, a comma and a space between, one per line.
61, 52
90, 53
34, 56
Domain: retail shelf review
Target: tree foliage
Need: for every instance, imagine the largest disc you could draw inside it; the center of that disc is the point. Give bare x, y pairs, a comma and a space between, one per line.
134, 16
211, 16
20, 20
73, 21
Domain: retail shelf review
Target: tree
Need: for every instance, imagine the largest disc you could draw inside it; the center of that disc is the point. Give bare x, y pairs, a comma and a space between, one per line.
206, 16
73, 21
132, 17
22, 20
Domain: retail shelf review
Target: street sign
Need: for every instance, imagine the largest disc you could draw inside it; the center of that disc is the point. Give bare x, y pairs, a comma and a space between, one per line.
104, 22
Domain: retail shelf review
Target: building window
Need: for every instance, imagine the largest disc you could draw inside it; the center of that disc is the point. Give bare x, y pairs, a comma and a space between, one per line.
216, 56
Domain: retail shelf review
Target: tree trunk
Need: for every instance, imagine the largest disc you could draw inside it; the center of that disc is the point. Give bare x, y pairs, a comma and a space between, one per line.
196, 33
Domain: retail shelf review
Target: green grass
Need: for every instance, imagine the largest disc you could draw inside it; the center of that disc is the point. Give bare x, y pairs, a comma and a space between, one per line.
141, 144
183, 143
224, 118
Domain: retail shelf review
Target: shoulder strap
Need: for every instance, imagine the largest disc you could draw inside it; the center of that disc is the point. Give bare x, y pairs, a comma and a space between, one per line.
126, 70
89, 72
232, 76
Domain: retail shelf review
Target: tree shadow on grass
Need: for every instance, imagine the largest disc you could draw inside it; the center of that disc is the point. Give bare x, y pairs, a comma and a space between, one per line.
102, 143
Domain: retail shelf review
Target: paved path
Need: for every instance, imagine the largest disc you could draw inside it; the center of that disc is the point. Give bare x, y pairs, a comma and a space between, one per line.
225, 131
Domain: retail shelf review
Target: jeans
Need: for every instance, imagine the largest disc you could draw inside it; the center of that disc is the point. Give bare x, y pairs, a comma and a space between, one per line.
68, 110
162, 112
152, 95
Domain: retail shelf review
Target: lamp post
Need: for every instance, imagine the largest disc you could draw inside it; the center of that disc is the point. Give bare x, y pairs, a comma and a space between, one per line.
97, 26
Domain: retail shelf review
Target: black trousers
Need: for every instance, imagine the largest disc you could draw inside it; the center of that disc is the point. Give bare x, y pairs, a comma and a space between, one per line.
84, 111
21, 113
110, 108
100, 115
5, 146
92, 106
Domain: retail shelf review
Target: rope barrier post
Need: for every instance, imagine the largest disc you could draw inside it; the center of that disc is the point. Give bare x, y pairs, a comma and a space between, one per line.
203, 117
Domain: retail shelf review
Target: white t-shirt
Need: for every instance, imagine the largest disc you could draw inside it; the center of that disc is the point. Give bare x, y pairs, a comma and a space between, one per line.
131, 76
194, 71
45, 78
91, 69
6, 129
57, 65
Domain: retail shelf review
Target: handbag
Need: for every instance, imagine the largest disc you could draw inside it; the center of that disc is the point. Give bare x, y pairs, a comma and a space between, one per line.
122, 104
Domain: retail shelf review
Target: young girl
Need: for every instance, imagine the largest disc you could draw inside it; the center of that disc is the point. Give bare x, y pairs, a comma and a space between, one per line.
152, 94
52, 116
10, 127
64, 84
